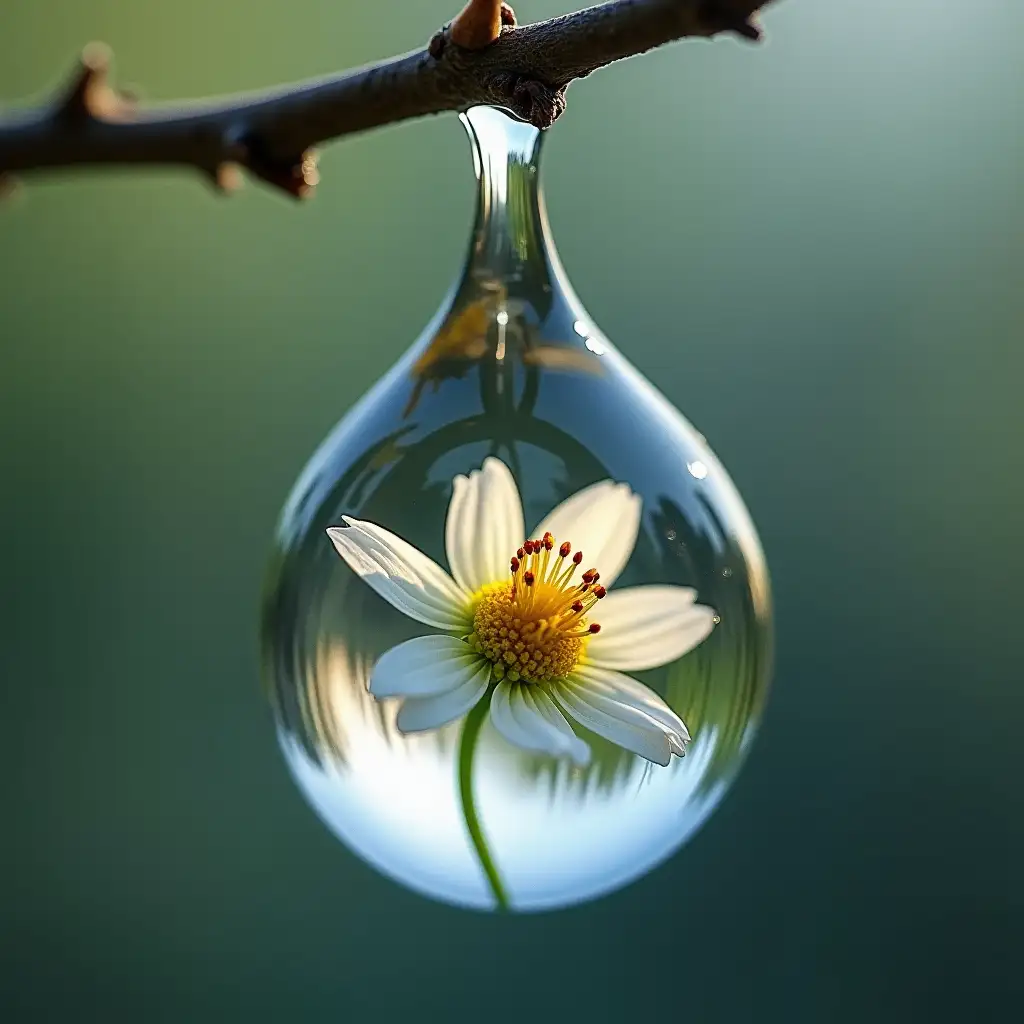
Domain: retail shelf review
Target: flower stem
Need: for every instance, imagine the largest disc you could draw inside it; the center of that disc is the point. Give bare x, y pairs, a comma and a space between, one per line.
467, 747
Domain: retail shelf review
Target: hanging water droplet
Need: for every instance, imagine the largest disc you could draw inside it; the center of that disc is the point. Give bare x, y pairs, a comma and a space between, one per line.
512, 383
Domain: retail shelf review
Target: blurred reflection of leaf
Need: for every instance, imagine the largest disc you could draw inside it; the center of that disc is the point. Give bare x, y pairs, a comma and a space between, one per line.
461, 341
464, 336
559, 357
390, 451
475, 333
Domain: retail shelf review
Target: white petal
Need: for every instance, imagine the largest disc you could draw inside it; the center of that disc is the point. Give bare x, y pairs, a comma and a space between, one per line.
602, 521
620, 723
418, 714
401, 574
536, 698
423, 667
644, 627
484, 525
522, 725
627, 690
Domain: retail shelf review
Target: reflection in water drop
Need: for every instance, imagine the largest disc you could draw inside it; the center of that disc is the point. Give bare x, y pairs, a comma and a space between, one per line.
559, 835
506, 371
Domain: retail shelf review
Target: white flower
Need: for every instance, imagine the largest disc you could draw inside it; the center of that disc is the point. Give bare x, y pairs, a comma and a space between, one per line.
520, 614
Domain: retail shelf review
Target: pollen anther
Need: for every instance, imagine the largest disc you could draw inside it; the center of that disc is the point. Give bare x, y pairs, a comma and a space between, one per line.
533, 628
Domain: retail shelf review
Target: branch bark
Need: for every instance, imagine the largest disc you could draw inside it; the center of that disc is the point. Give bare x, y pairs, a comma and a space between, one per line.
526, 69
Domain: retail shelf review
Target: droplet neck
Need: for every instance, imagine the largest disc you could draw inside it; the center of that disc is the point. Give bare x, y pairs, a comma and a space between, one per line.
510, 234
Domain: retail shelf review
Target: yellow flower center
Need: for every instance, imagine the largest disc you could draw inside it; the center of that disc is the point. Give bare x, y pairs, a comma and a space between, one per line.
534, 627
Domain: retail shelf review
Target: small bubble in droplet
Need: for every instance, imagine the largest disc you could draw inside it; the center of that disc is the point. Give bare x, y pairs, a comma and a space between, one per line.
718, 620
727, 572
697, 470
670, 535
502, 318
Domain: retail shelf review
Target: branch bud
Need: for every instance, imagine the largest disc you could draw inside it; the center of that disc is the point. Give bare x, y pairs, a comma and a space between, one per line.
480, 23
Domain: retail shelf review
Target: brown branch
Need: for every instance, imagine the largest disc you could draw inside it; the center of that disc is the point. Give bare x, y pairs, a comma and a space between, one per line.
526, 69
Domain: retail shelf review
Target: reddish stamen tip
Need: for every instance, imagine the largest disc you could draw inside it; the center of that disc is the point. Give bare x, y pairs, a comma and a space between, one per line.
549, 542
520, 552
528, 547
595, 627
577, 606
599, 592
577, 558
597, 576
515, 564
590, 575
564, 550
528, 578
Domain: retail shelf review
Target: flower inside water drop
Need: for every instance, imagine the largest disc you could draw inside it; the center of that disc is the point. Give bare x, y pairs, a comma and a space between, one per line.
494, 809
524, 629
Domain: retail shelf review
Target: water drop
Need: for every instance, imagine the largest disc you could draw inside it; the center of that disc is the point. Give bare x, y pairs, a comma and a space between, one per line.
510, 372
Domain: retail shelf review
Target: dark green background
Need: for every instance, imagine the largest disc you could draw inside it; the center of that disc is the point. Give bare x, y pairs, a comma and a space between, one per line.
831, 226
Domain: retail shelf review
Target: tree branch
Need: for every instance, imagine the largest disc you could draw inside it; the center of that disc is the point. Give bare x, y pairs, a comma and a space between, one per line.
526, 69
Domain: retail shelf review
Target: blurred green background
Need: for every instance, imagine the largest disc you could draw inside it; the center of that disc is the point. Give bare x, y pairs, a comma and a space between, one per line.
831, 226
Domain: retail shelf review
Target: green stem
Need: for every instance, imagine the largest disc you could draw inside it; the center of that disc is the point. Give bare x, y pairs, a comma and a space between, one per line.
467, 747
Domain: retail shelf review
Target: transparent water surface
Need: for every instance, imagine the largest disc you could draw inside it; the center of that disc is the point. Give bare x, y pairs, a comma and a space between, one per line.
512, 367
